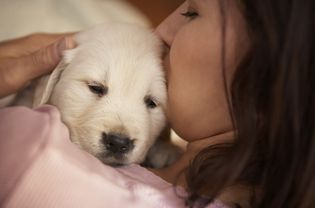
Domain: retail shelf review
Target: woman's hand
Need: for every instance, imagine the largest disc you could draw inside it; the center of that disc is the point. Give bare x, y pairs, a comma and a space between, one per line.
24, 59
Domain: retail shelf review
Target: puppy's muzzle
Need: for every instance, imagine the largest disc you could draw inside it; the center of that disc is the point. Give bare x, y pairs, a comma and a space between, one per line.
117, 144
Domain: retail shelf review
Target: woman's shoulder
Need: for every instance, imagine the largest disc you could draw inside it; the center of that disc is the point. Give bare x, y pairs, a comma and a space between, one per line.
147, 183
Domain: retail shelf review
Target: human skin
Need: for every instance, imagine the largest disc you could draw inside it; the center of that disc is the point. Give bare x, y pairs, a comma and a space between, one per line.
197, 102
26, 58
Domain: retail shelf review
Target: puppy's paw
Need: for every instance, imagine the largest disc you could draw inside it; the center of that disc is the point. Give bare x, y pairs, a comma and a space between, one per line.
162, 154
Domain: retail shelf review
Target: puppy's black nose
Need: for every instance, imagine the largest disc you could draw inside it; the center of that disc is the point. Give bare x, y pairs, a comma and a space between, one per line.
117, 144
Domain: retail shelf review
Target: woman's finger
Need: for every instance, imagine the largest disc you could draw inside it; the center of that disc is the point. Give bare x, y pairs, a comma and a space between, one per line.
45, 59
15, 73
28, 44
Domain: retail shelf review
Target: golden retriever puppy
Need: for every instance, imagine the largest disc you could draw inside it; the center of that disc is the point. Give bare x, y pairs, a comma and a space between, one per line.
111, 93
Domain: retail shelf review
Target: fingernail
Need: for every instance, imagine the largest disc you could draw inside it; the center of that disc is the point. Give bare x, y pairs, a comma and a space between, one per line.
65, 43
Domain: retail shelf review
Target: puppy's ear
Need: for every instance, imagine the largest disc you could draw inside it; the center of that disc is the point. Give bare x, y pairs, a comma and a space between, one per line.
46, 84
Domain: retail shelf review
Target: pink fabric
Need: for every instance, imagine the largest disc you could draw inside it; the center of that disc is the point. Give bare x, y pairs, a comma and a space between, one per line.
40, 167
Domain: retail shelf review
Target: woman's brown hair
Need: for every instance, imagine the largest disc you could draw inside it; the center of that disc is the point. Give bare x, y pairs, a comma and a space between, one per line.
273, 110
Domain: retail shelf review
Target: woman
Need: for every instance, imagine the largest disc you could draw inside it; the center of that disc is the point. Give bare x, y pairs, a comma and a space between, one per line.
240, 84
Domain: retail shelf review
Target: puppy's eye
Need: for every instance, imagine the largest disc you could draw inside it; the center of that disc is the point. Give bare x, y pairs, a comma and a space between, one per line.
150, 103
98, 89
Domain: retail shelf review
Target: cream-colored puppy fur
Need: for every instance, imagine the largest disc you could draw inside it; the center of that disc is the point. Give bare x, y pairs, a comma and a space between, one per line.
112, 83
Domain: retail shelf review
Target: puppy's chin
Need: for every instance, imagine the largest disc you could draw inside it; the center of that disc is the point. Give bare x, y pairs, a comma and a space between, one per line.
105, 157
113, 160
115, 164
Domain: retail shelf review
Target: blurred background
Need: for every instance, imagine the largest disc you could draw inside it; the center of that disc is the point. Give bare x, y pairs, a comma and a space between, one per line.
156, 10
22, 17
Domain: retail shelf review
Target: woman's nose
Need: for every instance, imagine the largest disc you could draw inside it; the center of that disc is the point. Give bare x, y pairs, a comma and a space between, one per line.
169, 27
162, 32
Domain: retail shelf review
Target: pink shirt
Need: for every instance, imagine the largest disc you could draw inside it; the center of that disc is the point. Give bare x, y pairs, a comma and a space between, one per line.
40, 167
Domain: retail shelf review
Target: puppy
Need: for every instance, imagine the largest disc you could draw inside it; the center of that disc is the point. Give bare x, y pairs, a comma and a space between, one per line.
111, 93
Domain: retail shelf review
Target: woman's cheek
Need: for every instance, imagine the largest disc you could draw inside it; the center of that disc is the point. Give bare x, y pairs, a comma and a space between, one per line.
194, 84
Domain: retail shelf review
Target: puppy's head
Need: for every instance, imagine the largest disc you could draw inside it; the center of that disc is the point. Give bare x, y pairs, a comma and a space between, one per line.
111, 92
